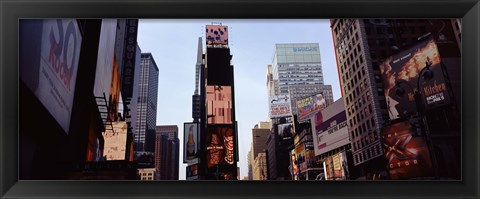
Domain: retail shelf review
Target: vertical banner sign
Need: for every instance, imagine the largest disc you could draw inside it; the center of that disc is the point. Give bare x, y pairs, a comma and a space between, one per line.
405, 67
407, 156
280, 106
129, 58
190, 145
60, 51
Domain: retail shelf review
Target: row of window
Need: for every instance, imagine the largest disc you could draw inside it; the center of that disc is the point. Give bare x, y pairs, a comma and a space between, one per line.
368, 154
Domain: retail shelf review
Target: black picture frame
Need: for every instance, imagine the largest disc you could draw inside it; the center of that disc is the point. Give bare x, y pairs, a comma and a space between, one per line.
11, 11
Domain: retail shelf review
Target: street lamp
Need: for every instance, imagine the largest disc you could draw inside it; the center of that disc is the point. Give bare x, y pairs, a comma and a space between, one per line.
426, 74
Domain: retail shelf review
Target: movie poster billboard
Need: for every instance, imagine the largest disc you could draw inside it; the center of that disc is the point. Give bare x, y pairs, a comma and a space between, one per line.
280, 106
405, 67
49, 54
115, 142
407, 156
190, 143
216, 35
220, 150
330, 128
219, 104
310, 105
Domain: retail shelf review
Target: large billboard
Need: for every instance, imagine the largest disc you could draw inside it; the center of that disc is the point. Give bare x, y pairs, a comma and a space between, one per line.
220, 149
407, 156
406, 66
115, 144
310, 105
216, 35
330, 128
280, 106
190, 143
49, 57
219, 104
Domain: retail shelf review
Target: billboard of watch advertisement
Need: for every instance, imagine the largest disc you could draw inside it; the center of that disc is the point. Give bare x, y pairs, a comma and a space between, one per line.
280, 106
407, 156
310, 105
330, 128
404, 68
49, 56
190, 143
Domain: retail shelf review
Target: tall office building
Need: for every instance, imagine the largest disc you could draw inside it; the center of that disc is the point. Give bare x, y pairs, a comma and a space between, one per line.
146, 104
167, 152
361, 45
295, 64
218, 127
259, 144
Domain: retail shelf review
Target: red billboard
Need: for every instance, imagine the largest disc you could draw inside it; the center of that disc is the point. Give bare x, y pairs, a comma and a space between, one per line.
405, 67
407, 156
220, 145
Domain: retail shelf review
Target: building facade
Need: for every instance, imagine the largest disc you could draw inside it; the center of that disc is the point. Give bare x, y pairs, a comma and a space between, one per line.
361, 45
167, 152
146, 104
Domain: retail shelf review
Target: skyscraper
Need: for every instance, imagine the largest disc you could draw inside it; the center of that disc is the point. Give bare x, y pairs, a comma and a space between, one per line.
361, 45
146, 103
167, 152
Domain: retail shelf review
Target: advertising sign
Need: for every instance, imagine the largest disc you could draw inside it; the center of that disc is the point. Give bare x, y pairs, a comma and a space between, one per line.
190, 143
106, 49
115, 141
220, 149
285, 131
54, 81
330, 127
280, 106
407, 156
128, 69
219, 104
406, 66
192, 172
336, 167
310, 105
216, 35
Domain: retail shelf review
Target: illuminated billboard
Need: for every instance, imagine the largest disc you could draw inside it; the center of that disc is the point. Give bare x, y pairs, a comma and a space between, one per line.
49, 56
310, 105
330, 128
115, 145
280, 106
216, 35
407, 156
190, 143
406, 66
219, 104
220, 148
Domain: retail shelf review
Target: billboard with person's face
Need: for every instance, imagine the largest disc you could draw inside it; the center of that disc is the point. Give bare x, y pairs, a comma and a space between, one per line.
310, 105
405, 67
407, 156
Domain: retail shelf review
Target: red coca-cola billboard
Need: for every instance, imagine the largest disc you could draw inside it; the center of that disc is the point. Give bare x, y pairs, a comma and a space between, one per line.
407, 156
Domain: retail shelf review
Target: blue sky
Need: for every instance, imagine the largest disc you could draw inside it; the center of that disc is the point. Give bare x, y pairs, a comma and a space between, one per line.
173, 44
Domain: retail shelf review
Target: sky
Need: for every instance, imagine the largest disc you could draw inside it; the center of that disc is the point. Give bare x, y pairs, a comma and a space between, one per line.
174, 43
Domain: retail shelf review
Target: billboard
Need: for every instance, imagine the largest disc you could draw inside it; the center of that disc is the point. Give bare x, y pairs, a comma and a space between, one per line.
406, 66
285, 131
407, 156
330, 128
336, 167
49, 57
280, 106
216, 35
220, 148
219, 104
192, 172
310, 105
190, 143
115, 145
106, 50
